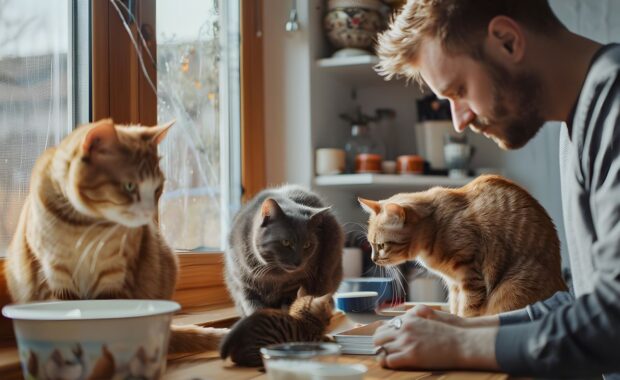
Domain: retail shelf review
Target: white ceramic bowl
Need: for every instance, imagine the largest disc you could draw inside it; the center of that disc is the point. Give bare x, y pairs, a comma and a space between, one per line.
111, 339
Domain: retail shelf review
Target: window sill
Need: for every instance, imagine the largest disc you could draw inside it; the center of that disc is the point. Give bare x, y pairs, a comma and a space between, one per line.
213, 316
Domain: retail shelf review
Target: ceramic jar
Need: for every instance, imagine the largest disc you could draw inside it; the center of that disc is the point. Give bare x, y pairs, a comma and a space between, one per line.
352, 25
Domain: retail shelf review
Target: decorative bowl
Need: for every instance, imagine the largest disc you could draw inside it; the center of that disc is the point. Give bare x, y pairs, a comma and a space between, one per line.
102, 339
351, 26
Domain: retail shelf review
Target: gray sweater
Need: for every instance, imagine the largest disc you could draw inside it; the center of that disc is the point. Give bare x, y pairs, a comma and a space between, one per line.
577, 336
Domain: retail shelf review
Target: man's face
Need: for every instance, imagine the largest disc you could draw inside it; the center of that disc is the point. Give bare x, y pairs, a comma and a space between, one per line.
484, 96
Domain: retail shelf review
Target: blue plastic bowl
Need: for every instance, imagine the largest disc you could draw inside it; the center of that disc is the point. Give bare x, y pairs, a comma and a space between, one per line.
356, 302
382, 285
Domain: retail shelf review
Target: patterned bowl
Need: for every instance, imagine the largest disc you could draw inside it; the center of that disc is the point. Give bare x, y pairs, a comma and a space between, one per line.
352, 26
102, 339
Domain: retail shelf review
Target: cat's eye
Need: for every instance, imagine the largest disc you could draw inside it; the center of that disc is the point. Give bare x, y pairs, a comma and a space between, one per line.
286, 243
129, 187
307, 245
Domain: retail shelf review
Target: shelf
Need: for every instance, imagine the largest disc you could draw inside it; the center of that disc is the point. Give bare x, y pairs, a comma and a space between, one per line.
355, 70
388, 180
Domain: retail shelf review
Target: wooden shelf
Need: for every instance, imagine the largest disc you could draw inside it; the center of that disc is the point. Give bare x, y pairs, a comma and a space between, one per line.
388, 180
355, 70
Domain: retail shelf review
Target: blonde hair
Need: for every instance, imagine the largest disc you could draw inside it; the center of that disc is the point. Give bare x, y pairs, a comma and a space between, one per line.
460, 26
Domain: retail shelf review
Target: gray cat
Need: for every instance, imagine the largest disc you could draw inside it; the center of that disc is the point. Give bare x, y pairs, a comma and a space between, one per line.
282, 239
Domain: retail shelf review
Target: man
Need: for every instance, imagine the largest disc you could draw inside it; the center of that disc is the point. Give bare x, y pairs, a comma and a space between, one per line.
507, 66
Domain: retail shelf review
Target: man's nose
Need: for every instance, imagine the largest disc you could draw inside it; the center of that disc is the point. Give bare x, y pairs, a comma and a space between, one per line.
462, 116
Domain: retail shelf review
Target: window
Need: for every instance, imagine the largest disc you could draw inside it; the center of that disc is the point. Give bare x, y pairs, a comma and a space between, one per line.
35, 107
198, 86
139, 62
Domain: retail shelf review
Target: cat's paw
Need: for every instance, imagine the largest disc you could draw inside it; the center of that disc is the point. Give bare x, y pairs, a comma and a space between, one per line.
65, 294
112, 294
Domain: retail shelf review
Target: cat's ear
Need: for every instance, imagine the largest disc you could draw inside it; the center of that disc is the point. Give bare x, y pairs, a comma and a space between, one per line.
160, 131
301, 292
318, 214
269, 211
326, 298
101, 138
395, 215
371, 207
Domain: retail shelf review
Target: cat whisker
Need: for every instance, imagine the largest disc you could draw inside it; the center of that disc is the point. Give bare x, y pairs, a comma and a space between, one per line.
79, 242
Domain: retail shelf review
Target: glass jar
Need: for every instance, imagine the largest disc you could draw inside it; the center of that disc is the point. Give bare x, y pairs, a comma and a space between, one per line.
361, 142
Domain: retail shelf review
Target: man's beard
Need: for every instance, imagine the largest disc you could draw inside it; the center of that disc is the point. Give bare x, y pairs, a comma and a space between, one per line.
512, 127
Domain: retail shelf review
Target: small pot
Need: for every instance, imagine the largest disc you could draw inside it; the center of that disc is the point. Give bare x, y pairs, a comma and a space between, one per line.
368, 163
410, 164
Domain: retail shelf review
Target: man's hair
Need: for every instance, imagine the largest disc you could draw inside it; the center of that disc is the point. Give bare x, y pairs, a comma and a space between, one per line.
459, 25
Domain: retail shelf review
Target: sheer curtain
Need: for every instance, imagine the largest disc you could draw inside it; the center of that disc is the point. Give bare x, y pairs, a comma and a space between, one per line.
34, 110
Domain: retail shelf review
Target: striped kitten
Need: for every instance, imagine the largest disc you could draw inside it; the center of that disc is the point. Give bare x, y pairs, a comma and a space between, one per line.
87, 231
491, 242
306, 321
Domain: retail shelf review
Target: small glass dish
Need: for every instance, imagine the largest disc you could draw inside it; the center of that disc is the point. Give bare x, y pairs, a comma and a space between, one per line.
308, 360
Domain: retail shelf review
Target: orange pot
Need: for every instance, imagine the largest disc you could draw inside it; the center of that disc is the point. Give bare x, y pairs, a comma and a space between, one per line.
368, 163
410, 164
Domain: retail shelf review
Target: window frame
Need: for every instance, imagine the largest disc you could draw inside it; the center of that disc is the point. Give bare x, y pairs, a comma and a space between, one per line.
120, 90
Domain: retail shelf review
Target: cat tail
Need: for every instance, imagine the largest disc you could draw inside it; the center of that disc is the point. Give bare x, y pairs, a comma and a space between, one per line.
194, 339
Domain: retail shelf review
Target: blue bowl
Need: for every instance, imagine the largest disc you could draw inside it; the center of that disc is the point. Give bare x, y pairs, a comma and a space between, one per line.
382, 285
356, 302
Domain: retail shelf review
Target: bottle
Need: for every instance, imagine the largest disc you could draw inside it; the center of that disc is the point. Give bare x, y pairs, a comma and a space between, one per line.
386, 131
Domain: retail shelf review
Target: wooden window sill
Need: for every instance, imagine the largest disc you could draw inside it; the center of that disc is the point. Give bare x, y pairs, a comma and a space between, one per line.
213, 316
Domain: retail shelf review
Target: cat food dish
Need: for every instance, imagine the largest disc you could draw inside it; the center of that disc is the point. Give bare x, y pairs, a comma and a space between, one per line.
307, 360
383, 286
356, 302
92, 339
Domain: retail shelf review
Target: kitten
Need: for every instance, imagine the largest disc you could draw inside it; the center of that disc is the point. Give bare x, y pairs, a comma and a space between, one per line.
87, 230
306, 321
281, 240
491, 242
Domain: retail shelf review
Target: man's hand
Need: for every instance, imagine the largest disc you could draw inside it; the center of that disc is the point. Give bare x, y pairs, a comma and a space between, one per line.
431, 344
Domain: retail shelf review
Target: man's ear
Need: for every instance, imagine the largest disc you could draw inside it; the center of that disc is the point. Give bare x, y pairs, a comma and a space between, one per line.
505, 41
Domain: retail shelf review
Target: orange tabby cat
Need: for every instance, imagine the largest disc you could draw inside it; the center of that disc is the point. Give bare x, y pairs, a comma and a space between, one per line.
492, 243
87, 230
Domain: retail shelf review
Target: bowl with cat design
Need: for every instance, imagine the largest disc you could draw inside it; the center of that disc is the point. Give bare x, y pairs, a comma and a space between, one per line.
95, 339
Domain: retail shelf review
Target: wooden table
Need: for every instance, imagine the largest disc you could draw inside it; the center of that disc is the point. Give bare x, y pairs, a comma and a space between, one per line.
208, 366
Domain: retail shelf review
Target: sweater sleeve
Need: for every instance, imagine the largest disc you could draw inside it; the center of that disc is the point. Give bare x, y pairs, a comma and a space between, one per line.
581, 338
536, 310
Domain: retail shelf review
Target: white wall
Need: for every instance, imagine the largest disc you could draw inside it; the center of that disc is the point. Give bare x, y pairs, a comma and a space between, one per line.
287, 95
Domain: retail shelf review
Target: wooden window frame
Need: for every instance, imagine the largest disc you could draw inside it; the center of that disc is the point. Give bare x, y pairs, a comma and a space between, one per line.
120, 91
